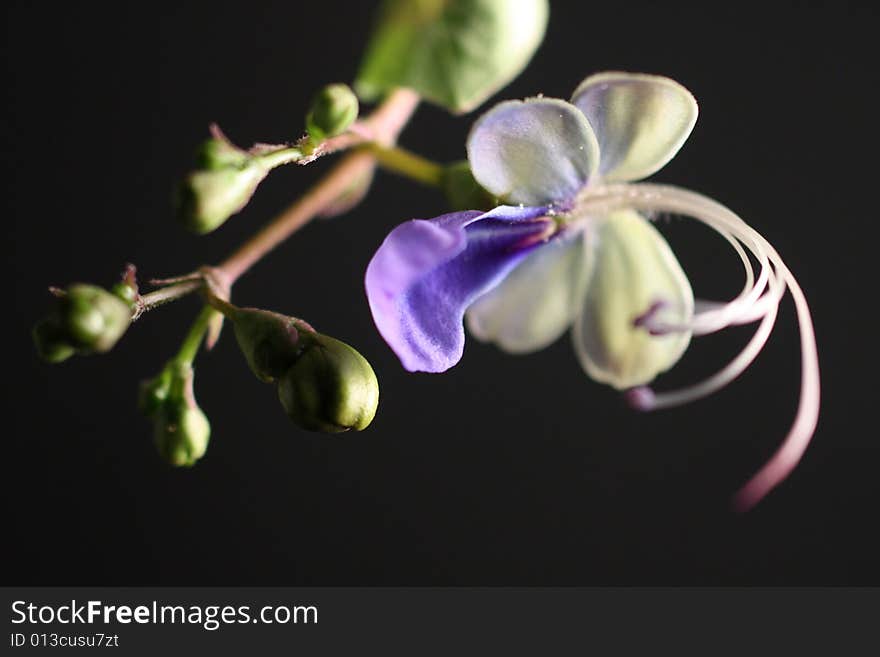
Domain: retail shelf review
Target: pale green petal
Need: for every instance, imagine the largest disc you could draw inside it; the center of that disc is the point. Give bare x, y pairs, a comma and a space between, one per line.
537, 302
633, 269
533, 152
640, 121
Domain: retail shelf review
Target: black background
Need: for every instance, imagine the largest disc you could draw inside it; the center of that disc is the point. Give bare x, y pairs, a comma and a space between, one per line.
506, 470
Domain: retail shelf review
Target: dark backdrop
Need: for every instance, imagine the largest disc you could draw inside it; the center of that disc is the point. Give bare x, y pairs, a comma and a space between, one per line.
506, 470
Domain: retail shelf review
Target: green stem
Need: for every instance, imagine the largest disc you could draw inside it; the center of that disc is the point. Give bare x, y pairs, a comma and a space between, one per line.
193, 340
406, 163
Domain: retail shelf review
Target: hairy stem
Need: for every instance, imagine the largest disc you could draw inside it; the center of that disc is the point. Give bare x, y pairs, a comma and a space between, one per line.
281, 156
163, 295
382, 127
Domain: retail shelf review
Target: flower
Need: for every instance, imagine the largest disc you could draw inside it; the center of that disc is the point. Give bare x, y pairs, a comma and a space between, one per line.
573, 247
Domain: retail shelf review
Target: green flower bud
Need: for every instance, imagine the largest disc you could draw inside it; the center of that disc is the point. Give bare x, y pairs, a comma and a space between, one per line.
126, 292
49, 338
462, 191
181, 429
333, 110
94, 318
86, 319
323, 384
208, 197
220, 153
270, 342
330, 388
154, 392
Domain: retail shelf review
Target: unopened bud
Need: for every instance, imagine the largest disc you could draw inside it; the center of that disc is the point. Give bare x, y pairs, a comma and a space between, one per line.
94, 318
270, 342
126, 292
330, 388
333, 110
182, 433
323, 384
181, 429
219, 153
208, 197
154, 392
51, 341
86, 319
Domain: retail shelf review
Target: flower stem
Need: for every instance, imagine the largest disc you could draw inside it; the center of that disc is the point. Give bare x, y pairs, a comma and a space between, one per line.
406, 163
281, 156
165, 294
296, 216
382, 126
193, 340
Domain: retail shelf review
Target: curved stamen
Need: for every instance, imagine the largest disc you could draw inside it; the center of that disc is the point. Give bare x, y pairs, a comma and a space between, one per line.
795, 444
745, 308
724, 376
646, 196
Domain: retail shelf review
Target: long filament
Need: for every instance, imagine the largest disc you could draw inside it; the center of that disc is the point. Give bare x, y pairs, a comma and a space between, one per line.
750, 305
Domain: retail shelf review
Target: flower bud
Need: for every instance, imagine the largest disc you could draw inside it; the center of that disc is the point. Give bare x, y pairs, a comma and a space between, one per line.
51, 342
219, 153
208, 197
126, 292
94, 318
270, 342
462, 191
181, 429
86, 319
154, 392
333, 110
330, 388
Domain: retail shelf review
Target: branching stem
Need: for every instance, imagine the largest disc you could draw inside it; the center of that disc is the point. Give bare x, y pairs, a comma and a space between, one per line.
382, 127
164, 295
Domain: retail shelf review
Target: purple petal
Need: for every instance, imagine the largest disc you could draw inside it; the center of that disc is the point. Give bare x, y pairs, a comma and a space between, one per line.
427, 272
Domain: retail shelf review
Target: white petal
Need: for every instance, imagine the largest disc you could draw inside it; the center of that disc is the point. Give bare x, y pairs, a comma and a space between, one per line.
537, 302
640, 121
633, 270
533, 152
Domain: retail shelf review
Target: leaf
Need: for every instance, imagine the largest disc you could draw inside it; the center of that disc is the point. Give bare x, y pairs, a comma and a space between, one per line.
455, 53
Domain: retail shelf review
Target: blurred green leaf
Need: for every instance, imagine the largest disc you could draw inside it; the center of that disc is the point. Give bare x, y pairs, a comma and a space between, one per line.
455, 53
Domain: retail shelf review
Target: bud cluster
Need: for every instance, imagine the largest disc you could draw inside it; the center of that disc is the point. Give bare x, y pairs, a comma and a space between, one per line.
323, 384
86, 319
226, 176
